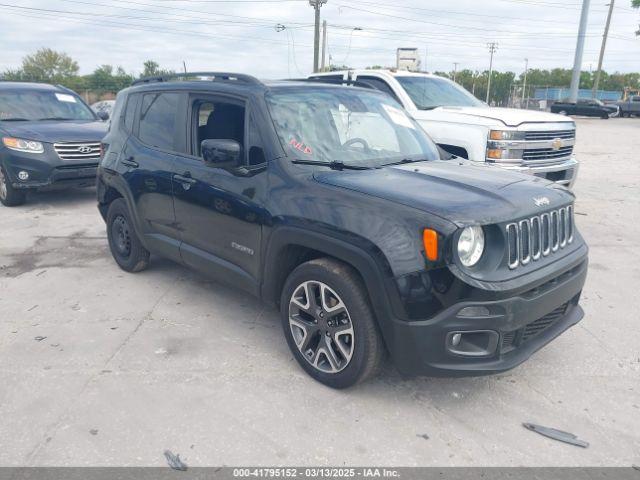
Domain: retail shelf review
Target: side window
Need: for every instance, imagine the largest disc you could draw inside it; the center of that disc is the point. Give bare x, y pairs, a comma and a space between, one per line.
129, 112
378, 84
158, 119
218, 120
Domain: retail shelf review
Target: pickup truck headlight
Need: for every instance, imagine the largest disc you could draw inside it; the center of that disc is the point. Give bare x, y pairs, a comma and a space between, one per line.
470, 245
506, 135
21, 145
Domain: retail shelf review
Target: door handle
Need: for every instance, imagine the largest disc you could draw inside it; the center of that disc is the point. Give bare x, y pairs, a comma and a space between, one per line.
130, 162
186, 180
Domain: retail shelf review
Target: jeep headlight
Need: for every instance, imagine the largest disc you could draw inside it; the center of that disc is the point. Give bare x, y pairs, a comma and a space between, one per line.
470, 245
21, 145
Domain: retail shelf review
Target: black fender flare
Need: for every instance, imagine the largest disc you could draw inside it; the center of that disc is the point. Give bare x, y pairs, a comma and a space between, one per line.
109, 180
358, 252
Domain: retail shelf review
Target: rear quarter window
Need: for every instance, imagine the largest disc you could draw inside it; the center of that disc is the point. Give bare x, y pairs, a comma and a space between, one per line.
158, 113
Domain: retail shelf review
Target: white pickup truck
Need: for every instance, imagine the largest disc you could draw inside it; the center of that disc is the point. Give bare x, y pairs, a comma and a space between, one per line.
528, 141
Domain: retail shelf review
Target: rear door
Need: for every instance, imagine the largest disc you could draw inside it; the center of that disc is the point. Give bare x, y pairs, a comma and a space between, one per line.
148, 160
219, 211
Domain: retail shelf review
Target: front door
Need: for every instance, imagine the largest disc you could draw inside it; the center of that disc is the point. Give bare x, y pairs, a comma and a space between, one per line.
219, 211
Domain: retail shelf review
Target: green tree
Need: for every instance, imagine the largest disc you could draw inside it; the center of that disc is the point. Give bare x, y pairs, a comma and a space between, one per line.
47, 65
152, 69
106, 79
636, 4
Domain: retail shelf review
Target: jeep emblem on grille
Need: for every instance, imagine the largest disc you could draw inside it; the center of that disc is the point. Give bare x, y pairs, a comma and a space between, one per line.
85, 149
541, 201
557, 144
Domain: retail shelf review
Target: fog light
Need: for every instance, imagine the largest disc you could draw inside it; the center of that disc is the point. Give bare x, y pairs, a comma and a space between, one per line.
22, 175
472, 343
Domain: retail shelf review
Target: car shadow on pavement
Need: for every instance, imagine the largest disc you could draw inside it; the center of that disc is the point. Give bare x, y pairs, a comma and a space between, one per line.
61, 198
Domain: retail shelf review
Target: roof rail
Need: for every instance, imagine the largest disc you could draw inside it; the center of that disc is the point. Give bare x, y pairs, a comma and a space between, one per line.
211, 76
348, 83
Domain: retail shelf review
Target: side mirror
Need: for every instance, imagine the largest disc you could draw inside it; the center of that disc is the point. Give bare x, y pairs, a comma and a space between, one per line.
102, 115
221, 152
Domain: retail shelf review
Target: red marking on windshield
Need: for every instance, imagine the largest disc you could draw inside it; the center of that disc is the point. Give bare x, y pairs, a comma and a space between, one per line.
301, 146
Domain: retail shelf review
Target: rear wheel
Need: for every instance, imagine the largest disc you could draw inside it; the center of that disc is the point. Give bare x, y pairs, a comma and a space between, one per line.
126, 248
9, 196
329, 324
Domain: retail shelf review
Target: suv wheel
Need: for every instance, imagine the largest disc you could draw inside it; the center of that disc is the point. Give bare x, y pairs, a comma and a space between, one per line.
126, 248
329, 325
9, 196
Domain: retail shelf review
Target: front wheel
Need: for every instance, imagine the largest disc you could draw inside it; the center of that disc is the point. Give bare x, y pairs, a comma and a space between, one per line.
9, 196
329, 324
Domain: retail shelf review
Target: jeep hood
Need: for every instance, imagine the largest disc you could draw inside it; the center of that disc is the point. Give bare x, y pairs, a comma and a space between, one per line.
511, 117
51, 131
460, 192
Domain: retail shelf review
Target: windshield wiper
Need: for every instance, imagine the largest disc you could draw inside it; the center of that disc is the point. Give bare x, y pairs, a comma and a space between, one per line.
334, 165
55, 118
15, 119
405, 160
429, 108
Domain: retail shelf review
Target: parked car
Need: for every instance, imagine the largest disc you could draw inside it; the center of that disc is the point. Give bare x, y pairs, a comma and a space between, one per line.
527, 141
50, 139
585, 107
629, 107
332, 203
103, 108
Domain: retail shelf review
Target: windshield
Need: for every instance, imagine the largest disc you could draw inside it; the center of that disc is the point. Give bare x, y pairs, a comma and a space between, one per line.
429, 92
347, 125
21, 105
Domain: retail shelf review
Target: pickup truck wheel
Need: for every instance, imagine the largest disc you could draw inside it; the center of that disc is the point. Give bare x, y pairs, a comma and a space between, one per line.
329, 325
9, 196
125, 246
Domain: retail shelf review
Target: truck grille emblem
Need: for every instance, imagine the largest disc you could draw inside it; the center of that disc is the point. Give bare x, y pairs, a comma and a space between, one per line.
557, 144
85, 149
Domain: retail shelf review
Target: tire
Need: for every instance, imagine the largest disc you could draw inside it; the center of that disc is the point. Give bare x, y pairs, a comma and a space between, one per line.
125, 246
9, 196
605, 116
341, 342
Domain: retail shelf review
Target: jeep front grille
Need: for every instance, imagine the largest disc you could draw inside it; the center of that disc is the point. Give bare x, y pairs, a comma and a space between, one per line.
78, 150
539, 236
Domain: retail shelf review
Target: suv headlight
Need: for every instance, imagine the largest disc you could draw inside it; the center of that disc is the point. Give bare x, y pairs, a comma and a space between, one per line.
470, 245
21, 145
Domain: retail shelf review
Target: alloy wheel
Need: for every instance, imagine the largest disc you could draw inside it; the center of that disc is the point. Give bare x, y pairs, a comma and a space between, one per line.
321, 326
3, 185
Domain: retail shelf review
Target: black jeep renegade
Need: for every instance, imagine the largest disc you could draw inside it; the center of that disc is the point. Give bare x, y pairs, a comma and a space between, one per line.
331, 202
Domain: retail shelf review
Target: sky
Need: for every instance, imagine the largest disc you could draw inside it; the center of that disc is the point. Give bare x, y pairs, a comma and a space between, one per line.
274, 38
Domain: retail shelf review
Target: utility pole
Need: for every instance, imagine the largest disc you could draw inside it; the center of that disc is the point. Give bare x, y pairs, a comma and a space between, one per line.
604, 45
524, 85
316, 4
324, 45
577, 61
455, 70
493, 46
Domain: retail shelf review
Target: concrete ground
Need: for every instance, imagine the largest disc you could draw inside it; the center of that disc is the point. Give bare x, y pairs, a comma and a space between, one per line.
131, 365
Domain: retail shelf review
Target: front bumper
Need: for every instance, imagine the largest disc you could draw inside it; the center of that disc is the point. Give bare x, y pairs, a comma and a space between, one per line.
563, 173
520, 324
47, 170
